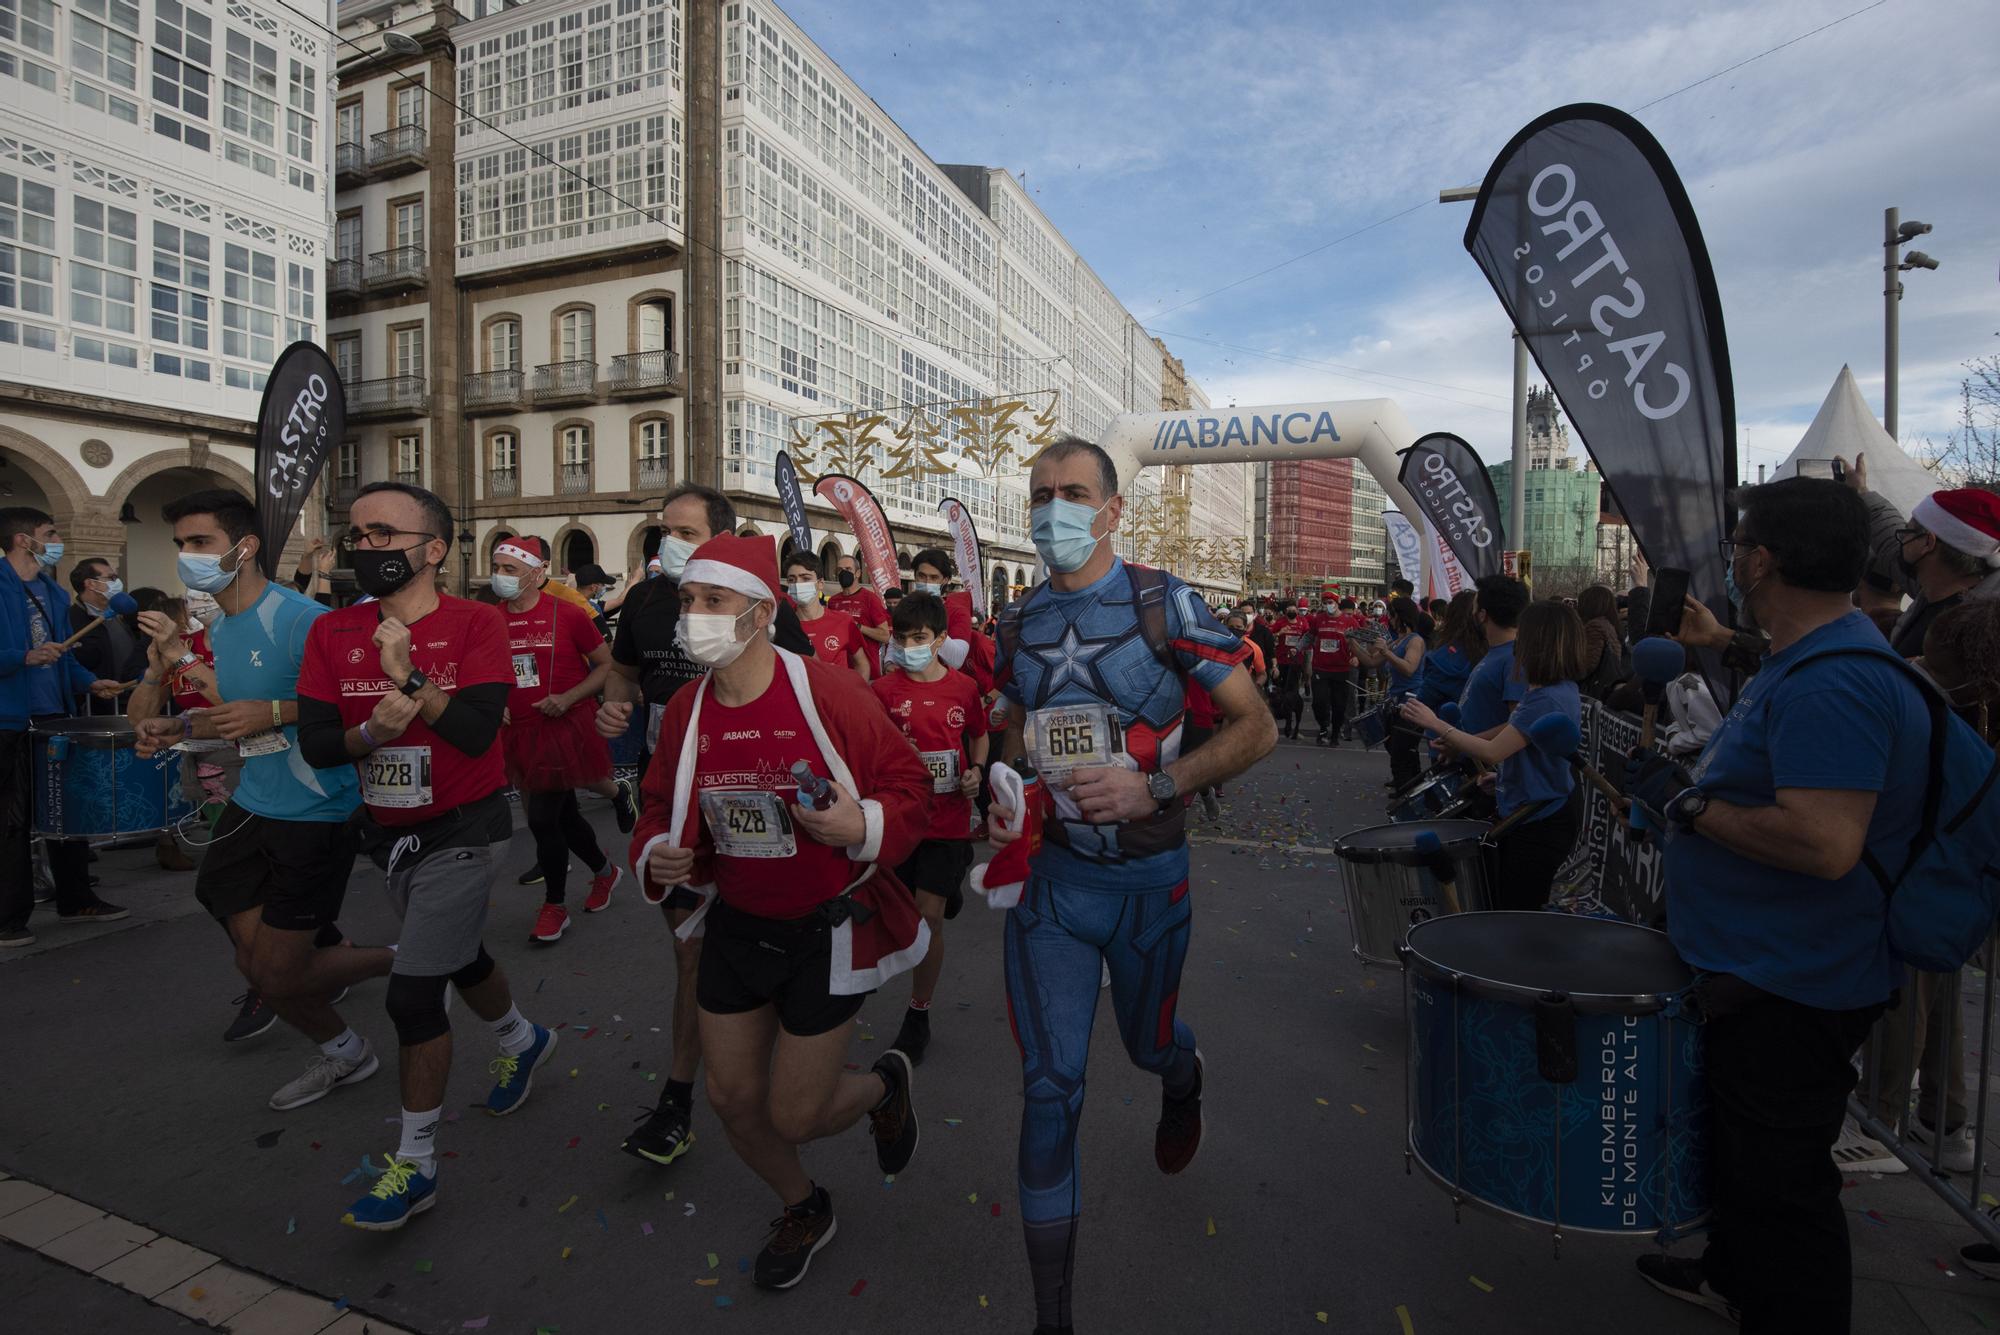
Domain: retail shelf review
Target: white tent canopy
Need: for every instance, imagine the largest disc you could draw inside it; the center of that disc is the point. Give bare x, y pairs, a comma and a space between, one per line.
1846, 427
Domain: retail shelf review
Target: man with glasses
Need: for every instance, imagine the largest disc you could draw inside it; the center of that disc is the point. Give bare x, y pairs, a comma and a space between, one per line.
410, 689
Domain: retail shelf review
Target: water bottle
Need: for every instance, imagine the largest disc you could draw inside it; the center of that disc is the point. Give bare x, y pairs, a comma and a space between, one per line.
815, 792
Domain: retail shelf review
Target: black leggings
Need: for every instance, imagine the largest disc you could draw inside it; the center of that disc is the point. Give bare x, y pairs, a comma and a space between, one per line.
1329, 692
1529, 854
559, 828
1404, 745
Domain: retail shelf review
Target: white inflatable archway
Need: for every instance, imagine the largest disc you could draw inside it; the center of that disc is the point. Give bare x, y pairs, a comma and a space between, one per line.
1371, 430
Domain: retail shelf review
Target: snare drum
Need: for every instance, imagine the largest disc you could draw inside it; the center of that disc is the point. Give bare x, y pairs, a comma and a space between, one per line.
1392, 883
1554, 1073
1433, 798
1372, 725
90, 783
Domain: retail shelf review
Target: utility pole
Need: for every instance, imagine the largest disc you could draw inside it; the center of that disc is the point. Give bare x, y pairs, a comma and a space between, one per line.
1895, 234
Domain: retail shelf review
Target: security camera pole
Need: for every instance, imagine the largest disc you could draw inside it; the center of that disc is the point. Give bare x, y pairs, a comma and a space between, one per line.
1895, 234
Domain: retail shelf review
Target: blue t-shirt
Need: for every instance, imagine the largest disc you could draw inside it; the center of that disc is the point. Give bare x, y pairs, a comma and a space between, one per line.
45, 683
1489, 689
257, 655
1532, 774
1085, 648
1445, 670
1847, 723
1401, 682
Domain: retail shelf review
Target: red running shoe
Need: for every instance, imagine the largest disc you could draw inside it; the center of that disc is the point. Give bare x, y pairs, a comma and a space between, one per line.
550, 924
601, 886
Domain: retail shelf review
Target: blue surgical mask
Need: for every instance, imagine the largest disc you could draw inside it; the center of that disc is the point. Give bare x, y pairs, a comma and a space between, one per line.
674, 554
113, 587
50, 555
1739, 597
935, 590
1061, 531
912, 657
505, 587
203, 572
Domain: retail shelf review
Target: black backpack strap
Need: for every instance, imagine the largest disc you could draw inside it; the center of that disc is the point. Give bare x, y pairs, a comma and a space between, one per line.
1149, 601
1940, 712
1007, 634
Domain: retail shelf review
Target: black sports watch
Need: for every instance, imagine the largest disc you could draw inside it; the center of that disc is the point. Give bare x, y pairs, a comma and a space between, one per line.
415, 682
1162, 786
1685, 806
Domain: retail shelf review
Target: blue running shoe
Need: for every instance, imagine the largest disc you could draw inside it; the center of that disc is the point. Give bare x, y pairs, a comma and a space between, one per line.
400, 1192
516, 1075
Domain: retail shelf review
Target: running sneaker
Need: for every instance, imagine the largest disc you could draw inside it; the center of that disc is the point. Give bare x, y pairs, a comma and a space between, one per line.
15, 937
1680, 1277
550, 923
95, 911
796, 1235
665, 1136
625, 806
253, 1016
895, 1122
601, 886
516, 1075
914, 1036
532, 876
325, 1075
400, 1192
1178, 1136
1858, 1152
1958, 1144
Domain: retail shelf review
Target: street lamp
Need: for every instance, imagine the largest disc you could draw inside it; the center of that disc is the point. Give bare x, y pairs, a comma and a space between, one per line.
401, 44
1895, 235
1517, 476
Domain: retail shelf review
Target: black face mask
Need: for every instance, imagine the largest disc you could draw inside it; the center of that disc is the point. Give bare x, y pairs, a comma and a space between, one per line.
847, 579
381, 573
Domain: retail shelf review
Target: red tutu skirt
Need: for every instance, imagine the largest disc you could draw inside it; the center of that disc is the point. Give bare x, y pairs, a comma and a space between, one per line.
552, 754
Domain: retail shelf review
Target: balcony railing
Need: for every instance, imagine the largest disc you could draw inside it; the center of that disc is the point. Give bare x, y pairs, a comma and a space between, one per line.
559, 381
575, 480
344, 280
642, 372
401, 267
409, 477
493, 391
403, 146
503, 482
394, 395
350, 162
655, 471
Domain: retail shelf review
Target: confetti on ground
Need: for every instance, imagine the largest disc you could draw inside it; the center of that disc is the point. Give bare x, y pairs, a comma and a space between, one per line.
1320, 1317
564, 1207
670, 1195
1322, 1102
1358, 1108
316, 1145
291, 1225
1371, 1047
982, 1300
688, 1213
1877, 1218
197, 1293
542, 983
602, 1106
996, 1209
575, 1141
423, 1267
602, 1222
647, 1229
742, 1265
340, 1304
973, 1199
708, 1283
1480, 1284
954, 1121
477, 1323
724, 1300
565, 1253
1942, 1266
713, 1260
1403, 1315
859, 1285
572, 1072
1987, 1198
1211, 1228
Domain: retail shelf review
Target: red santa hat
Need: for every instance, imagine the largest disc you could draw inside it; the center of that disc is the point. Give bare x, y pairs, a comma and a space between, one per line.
529, 551
747, 565
1968, 519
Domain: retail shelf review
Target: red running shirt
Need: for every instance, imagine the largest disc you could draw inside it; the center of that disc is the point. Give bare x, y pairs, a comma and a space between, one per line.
940, 718
867, 608
419, 774
751, 749
1327, 639
549, 646
834, 638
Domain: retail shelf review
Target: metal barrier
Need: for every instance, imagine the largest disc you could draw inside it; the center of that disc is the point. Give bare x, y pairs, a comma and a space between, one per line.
1944, 1029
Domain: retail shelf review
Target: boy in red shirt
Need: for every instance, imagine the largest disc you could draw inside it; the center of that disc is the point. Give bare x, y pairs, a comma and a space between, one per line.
410, 689
835, 636
941, 713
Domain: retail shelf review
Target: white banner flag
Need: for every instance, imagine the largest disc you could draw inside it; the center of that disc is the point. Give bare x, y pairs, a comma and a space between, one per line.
1404, 543
1448, 577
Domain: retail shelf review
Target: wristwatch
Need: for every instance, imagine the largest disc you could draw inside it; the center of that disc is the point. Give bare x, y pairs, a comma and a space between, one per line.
1685, 806
415, 682
1162, 786
185, 661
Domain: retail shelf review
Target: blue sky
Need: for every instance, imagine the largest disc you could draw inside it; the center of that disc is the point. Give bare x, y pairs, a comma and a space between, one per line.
1182, 145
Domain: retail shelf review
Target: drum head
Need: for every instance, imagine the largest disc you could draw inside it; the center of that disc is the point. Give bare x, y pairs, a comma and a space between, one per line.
1398, 842
1602, 964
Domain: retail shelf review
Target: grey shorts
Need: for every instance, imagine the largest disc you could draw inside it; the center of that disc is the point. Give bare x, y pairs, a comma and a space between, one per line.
442, 899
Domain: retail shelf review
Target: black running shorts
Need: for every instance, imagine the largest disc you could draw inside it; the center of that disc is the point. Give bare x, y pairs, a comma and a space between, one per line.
748, 962
938, 867
294, 870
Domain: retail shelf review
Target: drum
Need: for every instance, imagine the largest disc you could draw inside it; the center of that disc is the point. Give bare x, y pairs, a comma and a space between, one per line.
1435, 796
1398, 875
90, 783
1372, 725
1554, 1072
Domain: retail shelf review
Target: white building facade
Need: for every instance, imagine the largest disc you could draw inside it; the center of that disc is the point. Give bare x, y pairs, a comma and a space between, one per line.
164, 223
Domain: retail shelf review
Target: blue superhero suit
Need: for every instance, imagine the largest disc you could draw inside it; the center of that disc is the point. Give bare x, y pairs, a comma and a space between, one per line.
1110, 896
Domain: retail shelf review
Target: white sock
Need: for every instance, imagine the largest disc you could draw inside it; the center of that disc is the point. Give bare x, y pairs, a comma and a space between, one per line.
419, 1131
347, 1046
514, 1032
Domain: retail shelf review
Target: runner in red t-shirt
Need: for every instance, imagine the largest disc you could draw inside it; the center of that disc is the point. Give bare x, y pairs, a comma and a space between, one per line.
836, 639
1330, 661
411, 689
800, 916
859, 600
551, 745
941, 713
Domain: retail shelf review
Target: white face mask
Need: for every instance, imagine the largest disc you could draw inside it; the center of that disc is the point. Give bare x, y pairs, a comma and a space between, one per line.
934, 590
674, 554
709, 638
804, 591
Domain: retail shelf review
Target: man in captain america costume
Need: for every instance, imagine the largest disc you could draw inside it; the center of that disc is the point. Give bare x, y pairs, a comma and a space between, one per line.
1094, 664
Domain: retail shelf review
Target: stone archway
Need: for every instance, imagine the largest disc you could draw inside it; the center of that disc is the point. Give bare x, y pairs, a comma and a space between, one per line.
54, 475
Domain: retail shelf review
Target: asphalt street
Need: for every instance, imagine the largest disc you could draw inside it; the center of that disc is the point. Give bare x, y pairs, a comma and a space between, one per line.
1298, 1214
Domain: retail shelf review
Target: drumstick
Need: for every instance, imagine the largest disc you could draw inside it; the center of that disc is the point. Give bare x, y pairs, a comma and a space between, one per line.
1598, 781
121, 605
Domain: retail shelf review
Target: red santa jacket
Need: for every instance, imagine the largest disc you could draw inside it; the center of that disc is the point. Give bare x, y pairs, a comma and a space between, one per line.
868, 756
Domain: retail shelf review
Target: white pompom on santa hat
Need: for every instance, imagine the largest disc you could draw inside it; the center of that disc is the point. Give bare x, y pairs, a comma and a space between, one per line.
1967, 518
